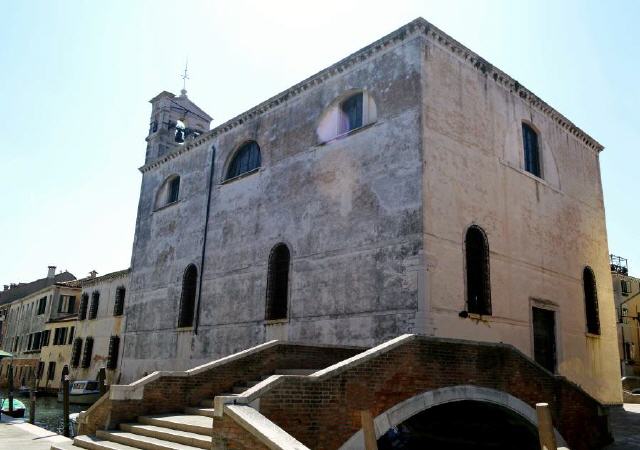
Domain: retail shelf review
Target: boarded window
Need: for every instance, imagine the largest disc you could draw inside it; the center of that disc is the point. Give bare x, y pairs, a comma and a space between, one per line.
591, 300
84, 303
87, 353
351, 114
114, 346
95, 302
531, 150
247, 159
118, 306
477, 267
278, 283
75, 352
188, 297
51, 370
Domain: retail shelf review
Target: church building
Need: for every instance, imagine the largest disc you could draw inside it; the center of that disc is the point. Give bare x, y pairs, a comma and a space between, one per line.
412, 187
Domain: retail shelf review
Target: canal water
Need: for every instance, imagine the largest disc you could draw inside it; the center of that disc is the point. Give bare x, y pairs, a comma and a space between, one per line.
49, 413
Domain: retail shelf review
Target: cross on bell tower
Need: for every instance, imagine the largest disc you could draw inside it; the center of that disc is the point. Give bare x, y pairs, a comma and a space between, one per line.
185, 77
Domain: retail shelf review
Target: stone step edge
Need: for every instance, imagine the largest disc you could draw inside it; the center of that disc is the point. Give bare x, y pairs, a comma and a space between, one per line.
142, 442
168, 434
93, 442
166, 422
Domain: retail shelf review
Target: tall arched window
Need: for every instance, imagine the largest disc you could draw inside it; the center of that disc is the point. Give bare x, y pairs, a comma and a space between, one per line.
531, 150
246, 160
591, 300
278, 283
477, 266
188, 297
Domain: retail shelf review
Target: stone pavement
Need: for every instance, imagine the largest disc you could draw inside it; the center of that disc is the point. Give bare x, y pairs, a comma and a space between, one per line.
625, 423
16, 434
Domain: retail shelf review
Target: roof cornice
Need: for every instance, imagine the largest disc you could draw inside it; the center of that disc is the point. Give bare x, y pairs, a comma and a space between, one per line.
417, 27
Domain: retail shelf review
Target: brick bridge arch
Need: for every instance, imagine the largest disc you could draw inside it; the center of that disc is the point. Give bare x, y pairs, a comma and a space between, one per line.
408, 408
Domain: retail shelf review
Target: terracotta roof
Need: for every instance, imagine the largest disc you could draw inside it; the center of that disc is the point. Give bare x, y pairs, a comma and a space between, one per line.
24, 289
88, 281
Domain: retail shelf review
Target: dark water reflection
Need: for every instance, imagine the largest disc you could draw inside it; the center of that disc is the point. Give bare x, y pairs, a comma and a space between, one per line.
49, 413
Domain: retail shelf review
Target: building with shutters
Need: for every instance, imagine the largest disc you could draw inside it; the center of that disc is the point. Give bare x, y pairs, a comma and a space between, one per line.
55, 352
28, 308
412, 187
97, 341
626, 295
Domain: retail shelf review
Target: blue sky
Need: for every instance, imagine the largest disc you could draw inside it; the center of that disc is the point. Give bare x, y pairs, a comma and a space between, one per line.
77, 76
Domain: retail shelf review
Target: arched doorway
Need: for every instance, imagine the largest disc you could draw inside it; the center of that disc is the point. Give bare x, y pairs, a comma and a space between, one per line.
462, 425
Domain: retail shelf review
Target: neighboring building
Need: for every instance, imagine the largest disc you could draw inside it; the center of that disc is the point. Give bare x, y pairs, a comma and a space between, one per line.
410, 187
55, 353
27, 308
97, 342
626, 294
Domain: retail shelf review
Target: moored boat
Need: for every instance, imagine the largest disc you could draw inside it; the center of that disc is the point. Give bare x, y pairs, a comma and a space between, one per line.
18, 408
84, 392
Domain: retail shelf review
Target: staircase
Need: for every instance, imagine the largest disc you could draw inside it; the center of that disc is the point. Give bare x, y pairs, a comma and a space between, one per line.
190, 429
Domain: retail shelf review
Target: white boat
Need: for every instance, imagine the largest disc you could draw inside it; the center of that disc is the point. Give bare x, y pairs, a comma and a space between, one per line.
84, 392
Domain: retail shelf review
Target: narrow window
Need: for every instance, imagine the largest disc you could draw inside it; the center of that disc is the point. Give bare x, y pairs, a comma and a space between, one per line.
42, 305
71, 306
544, 338
591, 300
86, 355
40, 370
477, 265
188, 297
112, 359
71, 332
351, 117
531, 150
45, 337
95, 301
247, 159
174, 190
51, 370
84, 302
118, 306
278, 282
37, 341
75, 352
625, 286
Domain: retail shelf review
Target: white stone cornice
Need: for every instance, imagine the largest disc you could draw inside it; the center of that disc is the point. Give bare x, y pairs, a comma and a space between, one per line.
418, 26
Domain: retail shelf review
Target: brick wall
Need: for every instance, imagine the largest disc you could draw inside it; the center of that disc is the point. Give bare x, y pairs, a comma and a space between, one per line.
308, 409
172, 393
228, 435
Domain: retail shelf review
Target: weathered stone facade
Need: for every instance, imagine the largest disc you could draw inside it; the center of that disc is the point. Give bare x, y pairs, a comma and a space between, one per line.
375, 219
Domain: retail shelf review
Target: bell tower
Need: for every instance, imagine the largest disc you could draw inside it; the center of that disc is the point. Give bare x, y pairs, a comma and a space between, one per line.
174, 120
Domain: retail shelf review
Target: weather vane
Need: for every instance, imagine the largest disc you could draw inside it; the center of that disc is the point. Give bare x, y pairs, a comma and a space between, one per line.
185, 77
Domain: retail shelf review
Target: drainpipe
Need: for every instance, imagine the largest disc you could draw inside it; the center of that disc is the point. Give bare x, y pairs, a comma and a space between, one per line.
204, 239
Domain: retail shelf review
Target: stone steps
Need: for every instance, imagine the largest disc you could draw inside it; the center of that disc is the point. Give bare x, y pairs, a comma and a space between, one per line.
199, 411
96, 443
194, 423
168, 434
142, 442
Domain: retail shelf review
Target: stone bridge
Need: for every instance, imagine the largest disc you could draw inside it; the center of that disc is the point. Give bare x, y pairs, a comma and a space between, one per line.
289, 396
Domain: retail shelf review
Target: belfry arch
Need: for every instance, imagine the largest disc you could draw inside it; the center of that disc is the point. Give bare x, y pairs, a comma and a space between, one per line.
412, 407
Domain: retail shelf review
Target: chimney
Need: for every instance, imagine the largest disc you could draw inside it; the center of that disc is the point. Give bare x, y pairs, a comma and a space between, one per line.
52, 272
93, 274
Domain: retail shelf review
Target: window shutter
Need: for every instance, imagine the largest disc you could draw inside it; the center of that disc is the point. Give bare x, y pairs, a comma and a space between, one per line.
71, 307
75, 352
88, 349
82, 312
95, 300
118, 307
112, 360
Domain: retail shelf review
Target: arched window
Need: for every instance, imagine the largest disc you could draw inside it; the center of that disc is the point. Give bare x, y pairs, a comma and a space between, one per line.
278, 283
531, 150
246, 160
346, 113
591, 300
169, 191
188, 297
477, 266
